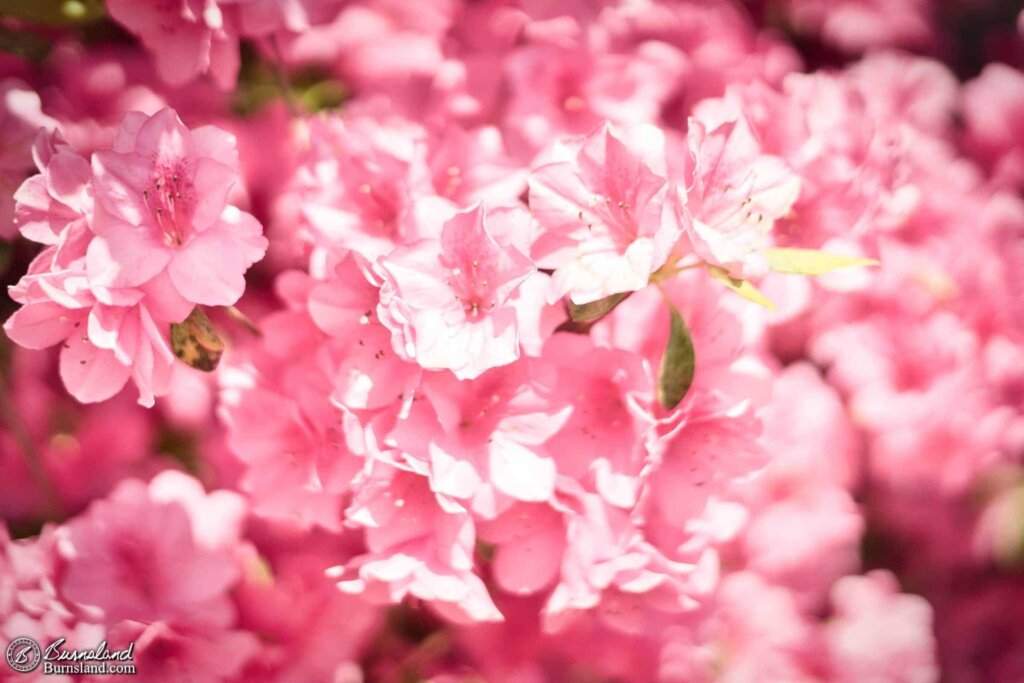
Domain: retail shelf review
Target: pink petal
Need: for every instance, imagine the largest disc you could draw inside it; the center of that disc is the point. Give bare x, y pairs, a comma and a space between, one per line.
91, 374
125, 256
210, 269
38, 326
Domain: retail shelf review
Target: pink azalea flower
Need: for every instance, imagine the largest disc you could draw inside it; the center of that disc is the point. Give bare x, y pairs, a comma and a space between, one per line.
609, 567
607, 211
370, 374
187, 38
162, 552
734, 642
481, 441
603, 445
857, 25
136, 244
204, 654
447, 301
735, 194
161, 198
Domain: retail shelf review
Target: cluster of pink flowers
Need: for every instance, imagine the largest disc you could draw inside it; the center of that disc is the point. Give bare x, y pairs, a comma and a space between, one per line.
583, 341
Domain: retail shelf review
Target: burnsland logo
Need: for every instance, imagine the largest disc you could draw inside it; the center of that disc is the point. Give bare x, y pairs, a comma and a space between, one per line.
24, 655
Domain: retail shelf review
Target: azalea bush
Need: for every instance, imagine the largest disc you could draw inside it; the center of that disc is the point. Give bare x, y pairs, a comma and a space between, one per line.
595, 340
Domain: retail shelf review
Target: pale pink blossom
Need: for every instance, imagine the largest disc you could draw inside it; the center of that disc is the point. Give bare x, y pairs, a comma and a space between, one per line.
610, 568
608, 213
447, 301
734, 196
481, 440
878, 633
419, 543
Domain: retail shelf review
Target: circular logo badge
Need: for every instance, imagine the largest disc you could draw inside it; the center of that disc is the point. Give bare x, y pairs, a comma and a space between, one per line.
24, 655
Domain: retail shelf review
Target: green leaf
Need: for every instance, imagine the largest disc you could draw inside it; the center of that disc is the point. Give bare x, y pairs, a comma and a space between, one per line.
741, 287
811, 262
595, 310
678, 364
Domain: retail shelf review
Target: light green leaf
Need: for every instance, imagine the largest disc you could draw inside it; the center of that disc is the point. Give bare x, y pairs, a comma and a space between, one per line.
678, 364
811, 262
595, 310
741, 287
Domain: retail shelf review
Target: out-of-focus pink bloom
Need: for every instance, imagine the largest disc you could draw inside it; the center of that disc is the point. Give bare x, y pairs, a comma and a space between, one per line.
254, 18
608, 213
21, 119
899, 372
187, 37
166, 551
609, 567
736, 643
83, 452
858, 25
483, 439
316, 630
993, 111
359, 185
559, 90
879, 634
470, 166
447, 301
420, 544
163, 190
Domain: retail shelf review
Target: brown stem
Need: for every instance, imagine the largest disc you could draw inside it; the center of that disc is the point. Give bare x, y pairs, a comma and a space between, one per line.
243, 320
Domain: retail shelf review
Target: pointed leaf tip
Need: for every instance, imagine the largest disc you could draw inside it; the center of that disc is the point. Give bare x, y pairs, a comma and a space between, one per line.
678, 364
595, 310
742, 287
811, 262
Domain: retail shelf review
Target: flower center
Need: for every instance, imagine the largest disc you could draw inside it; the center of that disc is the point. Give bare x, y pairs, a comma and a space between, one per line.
171, 199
